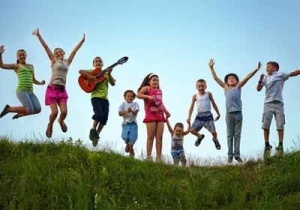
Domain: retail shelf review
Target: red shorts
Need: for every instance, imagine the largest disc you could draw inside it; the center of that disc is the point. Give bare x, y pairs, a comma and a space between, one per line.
56, 94
156, 116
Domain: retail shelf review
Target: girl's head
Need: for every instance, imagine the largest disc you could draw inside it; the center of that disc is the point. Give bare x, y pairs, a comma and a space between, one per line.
272, 66
21, 56
151, 80
98, 62
201, 85
129, 96
178, 129
231, 79
59, 53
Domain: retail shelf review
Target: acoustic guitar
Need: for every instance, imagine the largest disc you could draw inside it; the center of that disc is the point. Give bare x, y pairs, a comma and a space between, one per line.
88, 85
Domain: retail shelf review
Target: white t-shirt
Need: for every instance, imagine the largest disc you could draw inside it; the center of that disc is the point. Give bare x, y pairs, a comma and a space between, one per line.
274, 86
129, 117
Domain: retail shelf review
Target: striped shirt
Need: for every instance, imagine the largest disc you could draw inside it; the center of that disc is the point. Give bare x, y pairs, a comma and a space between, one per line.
25, 78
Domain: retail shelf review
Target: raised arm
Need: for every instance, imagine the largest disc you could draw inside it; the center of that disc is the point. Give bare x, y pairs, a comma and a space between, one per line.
187, 131
6, 66
42, 41
260, 84
212, 70
169, 127
191, 108
295, 73
214, 106
74, 51
251, 74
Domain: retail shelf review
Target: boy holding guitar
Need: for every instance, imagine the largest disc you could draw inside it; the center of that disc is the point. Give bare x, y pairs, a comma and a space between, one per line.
99, 98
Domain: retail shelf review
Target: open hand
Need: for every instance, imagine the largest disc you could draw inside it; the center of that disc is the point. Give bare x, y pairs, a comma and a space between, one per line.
42, 82
2, 49
36, 32
258, 65
211, 63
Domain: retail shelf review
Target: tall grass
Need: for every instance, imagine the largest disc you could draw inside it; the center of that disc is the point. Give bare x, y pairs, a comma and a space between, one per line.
66, 175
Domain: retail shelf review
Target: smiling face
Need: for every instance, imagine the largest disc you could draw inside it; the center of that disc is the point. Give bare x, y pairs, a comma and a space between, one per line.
271, 68
98, 63
178, 130
231, 81
129, 96
59, 53
154, 82
21, 56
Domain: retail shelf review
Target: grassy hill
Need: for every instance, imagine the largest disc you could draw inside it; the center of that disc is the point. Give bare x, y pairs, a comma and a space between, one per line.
66, 175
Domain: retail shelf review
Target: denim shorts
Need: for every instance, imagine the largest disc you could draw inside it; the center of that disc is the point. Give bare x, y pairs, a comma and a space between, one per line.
205, 120
101, 110
130, 133
30, 101
276, 109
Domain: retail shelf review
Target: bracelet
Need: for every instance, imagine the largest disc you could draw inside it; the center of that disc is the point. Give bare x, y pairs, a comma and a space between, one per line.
260, 82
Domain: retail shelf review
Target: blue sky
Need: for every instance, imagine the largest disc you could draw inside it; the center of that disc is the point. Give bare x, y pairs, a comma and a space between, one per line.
174, 39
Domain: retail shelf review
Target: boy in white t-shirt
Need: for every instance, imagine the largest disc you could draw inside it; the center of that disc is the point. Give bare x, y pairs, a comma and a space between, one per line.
129, 110
273, 105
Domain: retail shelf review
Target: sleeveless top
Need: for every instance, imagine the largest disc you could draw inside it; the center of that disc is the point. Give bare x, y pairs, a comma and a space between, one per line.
203, 103
157, 104
25, 78
233, 100
59, 72
177, 144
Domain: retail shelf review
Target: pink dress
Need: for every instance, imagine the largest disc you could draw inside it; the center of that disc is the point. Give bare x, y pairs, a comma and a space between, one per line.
154, 109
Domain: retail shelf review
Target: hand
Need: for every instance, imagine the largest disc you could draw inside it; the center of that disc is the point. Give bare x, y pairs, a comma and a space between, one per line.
83, 38
42, 82
188, 121
218, 117
151, 98
167, 114
258, 65
2, 49
109, 70
261, 77
211, 63
129, 110
36, 32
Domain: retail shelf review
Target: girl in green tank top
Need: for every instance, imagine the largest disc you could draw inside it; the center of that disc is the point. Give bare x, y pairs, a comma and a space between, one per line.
26, 79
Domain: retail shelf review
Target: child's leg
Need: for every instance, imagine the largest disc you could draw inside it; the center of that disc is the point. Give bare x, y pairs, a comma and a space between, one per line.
182, 158
195, 128
230, 132
266, 123
63, 114
237, 134
52, 117
150, 137
210, 126
175, 157
159, 137
280, 121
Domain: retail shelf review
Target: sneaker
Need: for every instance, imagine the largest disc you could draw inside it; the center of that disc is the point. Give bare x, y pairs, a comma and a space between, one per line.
279, 148
238, 159
95, 141
15, 116
217, 144
198, 141
4, 111
268, 148
230, 159
93, 134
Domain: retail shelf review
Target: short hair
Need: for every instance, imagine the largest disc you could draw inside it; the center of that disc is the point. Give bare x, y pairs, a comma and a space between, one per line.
231, 75
275, 64
201, 80
179, 124
129, 91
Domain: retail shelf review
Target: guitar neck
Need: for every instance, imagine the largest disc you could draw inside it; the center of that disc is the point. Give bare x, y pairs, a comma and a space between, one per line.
105, 70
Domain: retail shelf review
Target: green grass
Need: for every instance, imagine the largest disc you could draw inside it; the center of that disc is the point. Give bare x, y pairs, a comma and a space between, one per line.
66, 175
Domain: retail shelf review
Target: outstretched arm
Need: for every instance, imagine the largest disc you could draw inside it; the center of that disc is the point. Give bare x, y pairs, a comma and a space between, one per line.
214, 106
295, 73
74, 51
6, 66
42, 41
260, 84
212, 70
251, 74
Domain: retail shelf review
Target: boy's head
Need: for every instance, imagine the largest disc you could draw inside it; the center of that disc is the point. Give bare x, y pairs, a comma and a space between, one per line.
201, 85
231, 79
178, 129
98, 62
129, 96
272, 66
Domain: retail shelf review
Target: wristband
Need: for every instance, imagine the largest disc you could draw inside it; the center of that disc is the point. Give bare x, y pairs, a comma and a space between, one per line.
260, 82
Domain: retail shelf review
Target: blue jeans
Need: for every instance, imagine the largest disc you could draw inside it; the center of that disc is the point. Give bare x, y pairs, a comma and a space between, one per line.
130, 133
234, 121
30, 101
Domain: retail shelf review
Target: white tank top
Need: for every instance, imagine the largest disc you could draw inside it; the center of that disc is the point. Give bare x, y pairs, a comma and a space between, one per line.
203, 103
59, 72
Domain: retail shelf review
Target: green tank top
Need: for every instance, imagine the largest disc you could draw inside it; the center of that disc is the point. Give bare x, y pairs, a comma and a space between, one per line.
25, 78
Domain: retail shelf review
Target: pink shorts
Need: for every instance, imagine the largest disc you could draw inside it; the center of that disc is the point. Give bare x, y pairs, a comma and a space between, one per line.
154, 117
56, 95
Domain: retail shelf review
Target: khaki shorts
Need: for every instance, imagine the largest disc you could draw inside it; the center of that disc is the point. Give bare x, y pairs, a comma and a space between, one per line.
276, 109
